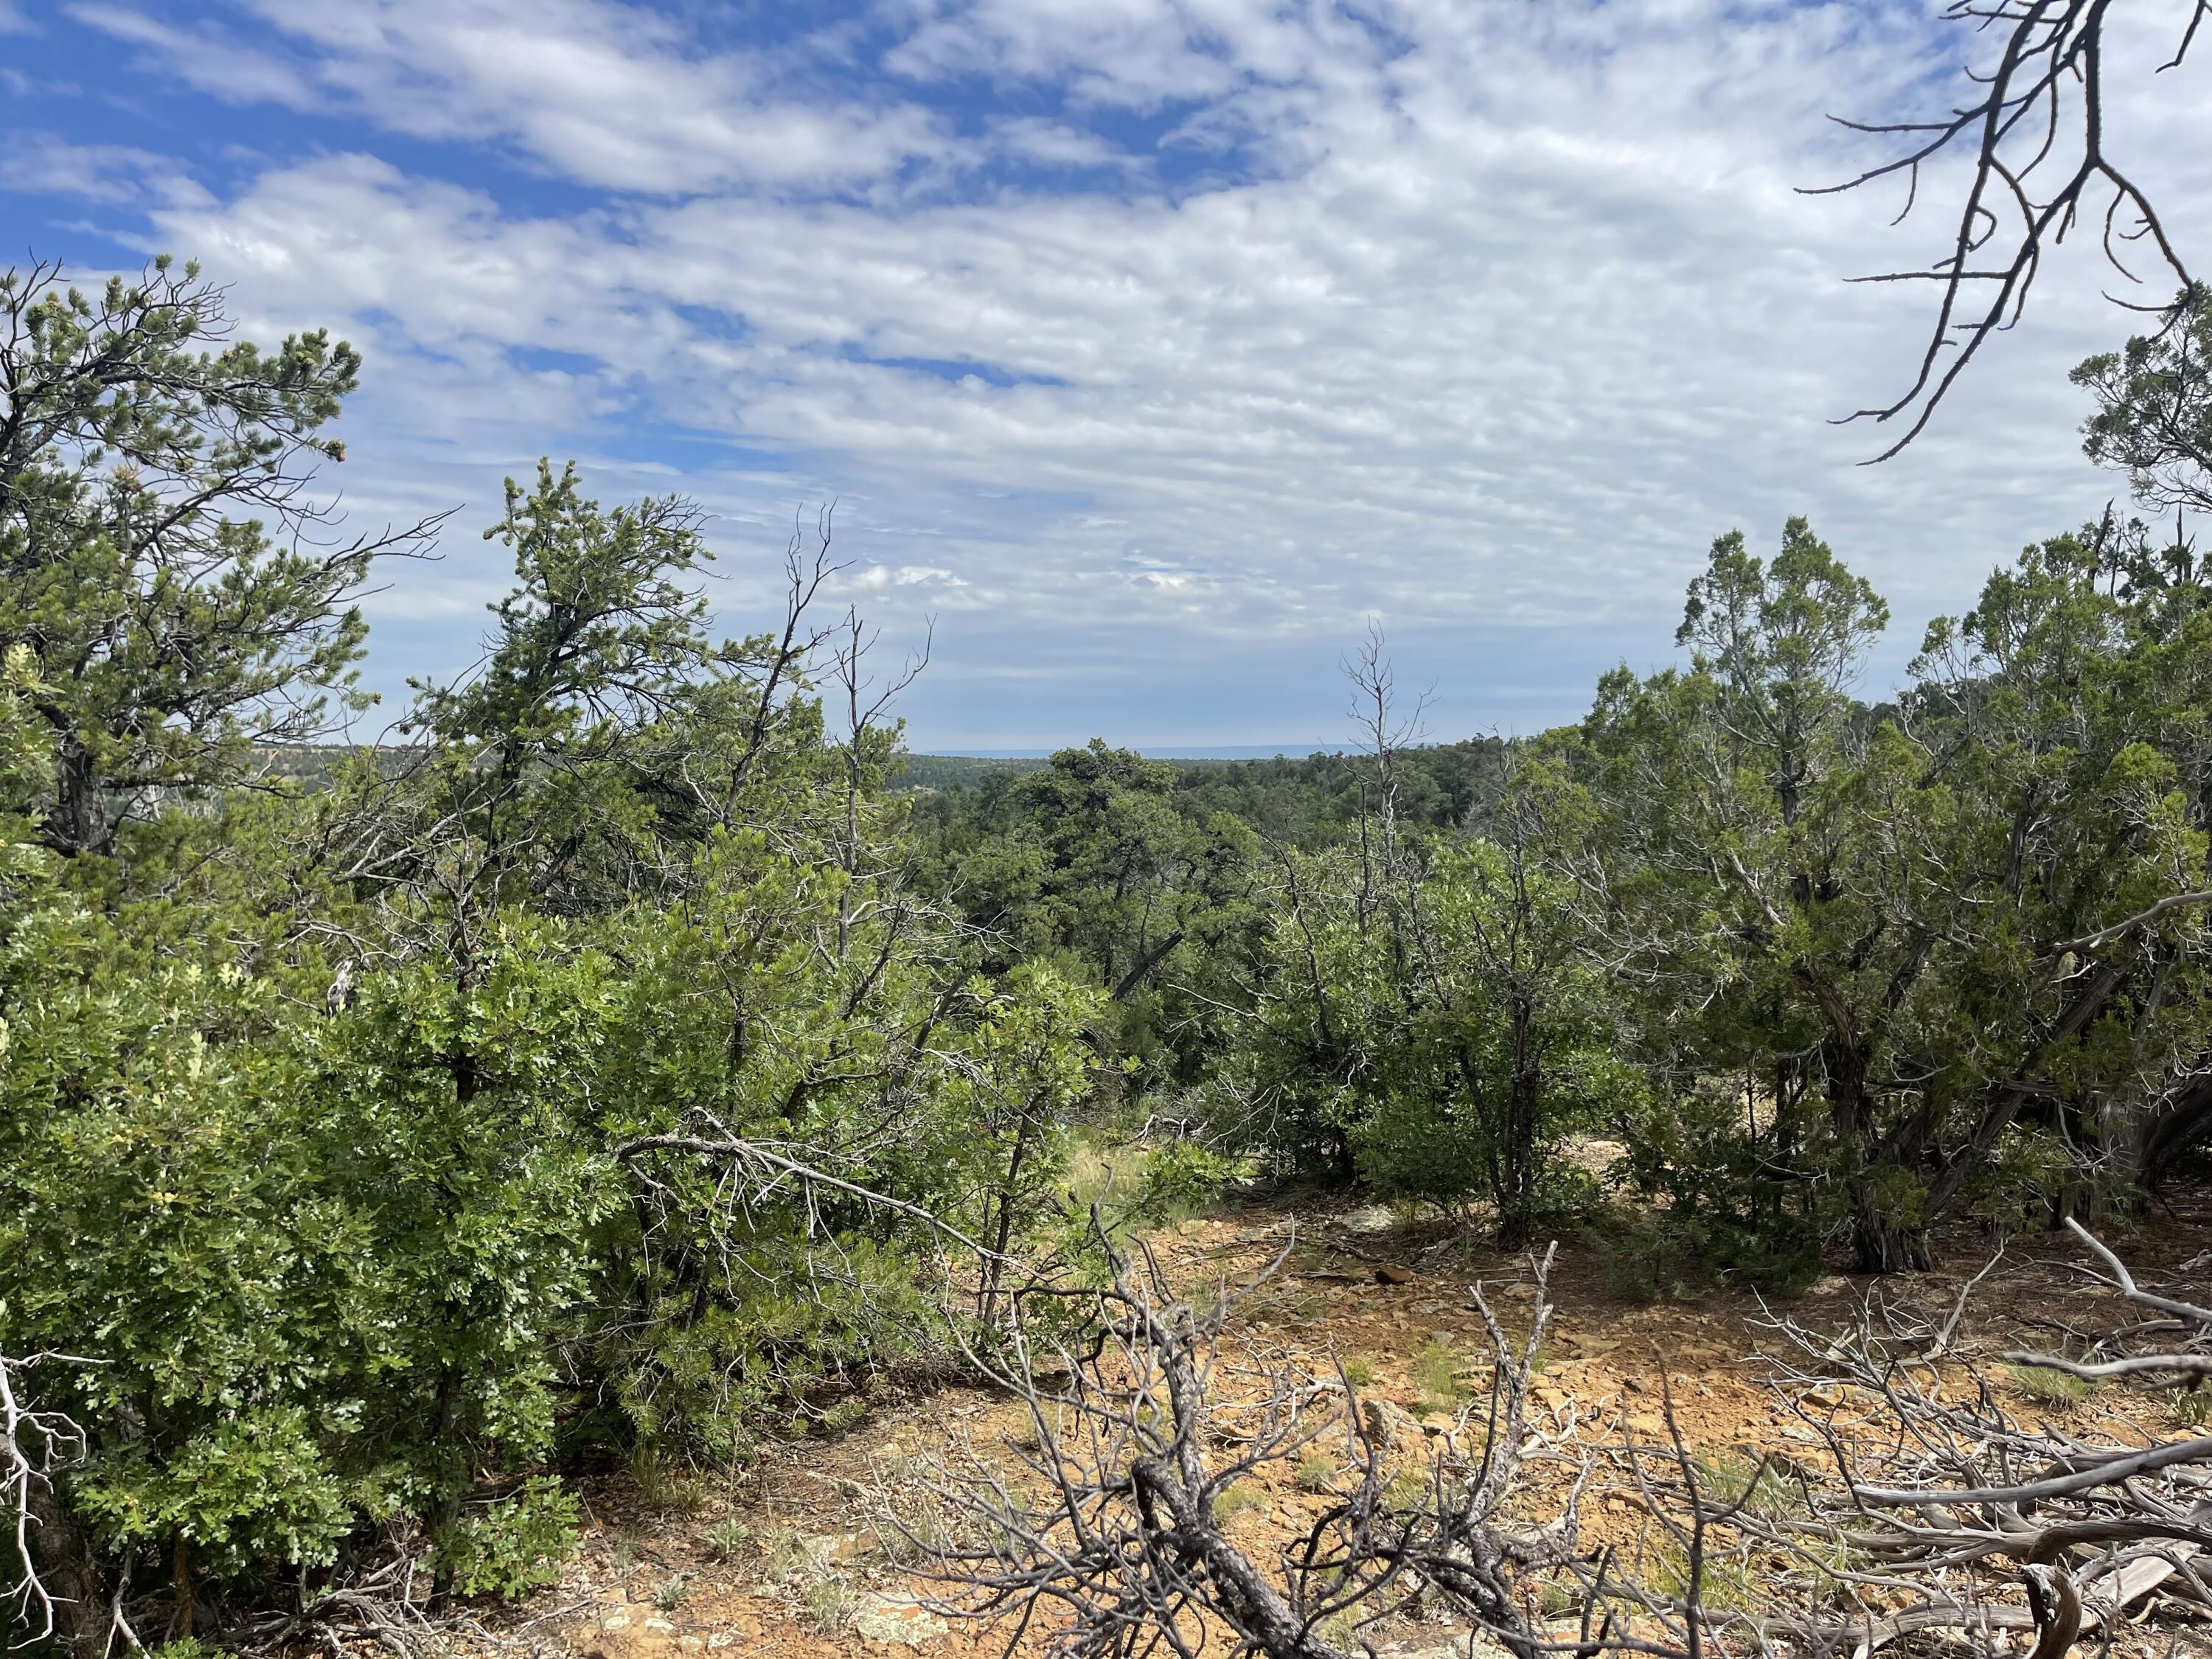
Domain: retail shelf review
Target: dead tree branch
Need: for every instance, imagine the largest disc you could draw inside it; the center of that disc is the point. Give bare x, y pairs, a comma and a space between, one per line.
2034, 140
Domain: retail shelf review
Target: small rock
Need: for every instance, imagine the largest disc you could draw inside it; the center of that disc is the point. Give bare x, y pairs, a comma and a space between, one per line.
614, 1621
882, 1618
1390, 1273
660, 1626
1388, 1425
692, 1644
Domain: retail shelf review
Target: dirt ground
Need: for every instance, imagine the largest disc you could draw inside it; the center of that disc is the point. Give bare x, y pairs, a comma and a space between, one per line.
786, 1563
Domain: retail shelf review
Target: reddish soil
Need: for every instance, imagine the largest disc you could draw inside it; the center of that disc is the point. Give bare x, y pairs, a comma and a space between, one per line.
1608, 1363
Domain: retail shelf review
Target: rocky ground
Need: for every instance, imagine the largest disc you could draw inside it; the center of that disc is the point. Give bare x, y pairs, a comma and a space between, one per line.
788, 1563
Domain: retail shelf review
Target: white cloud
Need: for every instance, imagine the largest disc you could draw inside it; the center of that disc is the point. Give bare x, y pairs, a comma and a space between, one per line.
114, 175
1054, 144
1512, 309
213, 63
611, 95
12, 21
879, 578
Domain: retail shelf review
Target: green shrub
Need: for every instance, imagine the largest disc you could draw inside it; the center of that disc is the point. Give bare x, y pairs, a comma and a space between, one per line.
2049, 1386
664, 1487
1436, 1369
830, 1603
1233, 1501
1182, 1179
1415, 1148
514, 1546
1680, 1254
727, 1537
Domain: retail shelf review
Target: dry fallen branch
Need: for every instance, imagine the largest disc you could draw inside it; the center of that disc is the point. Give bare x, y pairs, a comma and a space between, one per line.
1105, 1528
1935, 1514
1938, 1485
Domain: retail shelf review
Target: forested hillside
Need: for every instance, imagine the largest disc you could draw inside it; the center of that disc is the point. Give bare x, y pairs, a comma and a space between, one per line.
619, 1068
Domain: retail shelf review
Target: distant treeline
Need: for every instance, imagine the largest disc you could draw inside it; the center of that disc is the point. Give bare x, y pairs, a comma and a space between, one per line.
1442, 786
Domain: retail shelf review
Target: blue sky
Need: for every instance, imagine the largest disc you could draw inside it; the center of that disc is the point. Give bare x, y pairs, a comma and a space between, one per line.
1150, 347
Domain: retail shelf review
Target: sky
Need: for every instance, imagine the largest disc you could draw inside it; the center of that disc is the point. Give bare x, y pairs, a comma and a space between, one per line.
1149, 351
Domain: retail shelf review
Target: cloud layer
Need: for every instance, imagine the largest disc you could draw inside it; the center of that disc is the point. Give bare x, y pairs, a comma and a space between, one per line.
1150, 344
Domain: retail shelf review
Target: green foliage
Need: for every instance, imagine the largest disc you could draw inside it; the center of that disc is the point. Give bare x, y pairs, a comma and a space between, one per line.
514, 1546
1433, 1024
1680, 1253
1828, 907
2049, 1386
1233, 1501
1436, 1372
323, 1110
292, 1245
2154, 416
664, 1486
143, 454
831, 1603
1181, 1179
1098, 861
728, 1537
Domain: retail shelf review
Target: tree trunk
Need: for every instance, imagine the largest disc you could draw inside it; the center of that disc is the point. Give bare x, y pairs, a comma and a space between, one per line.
2179, 1129
1880, 1245
1516, 1194
78, 823
70, 1570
